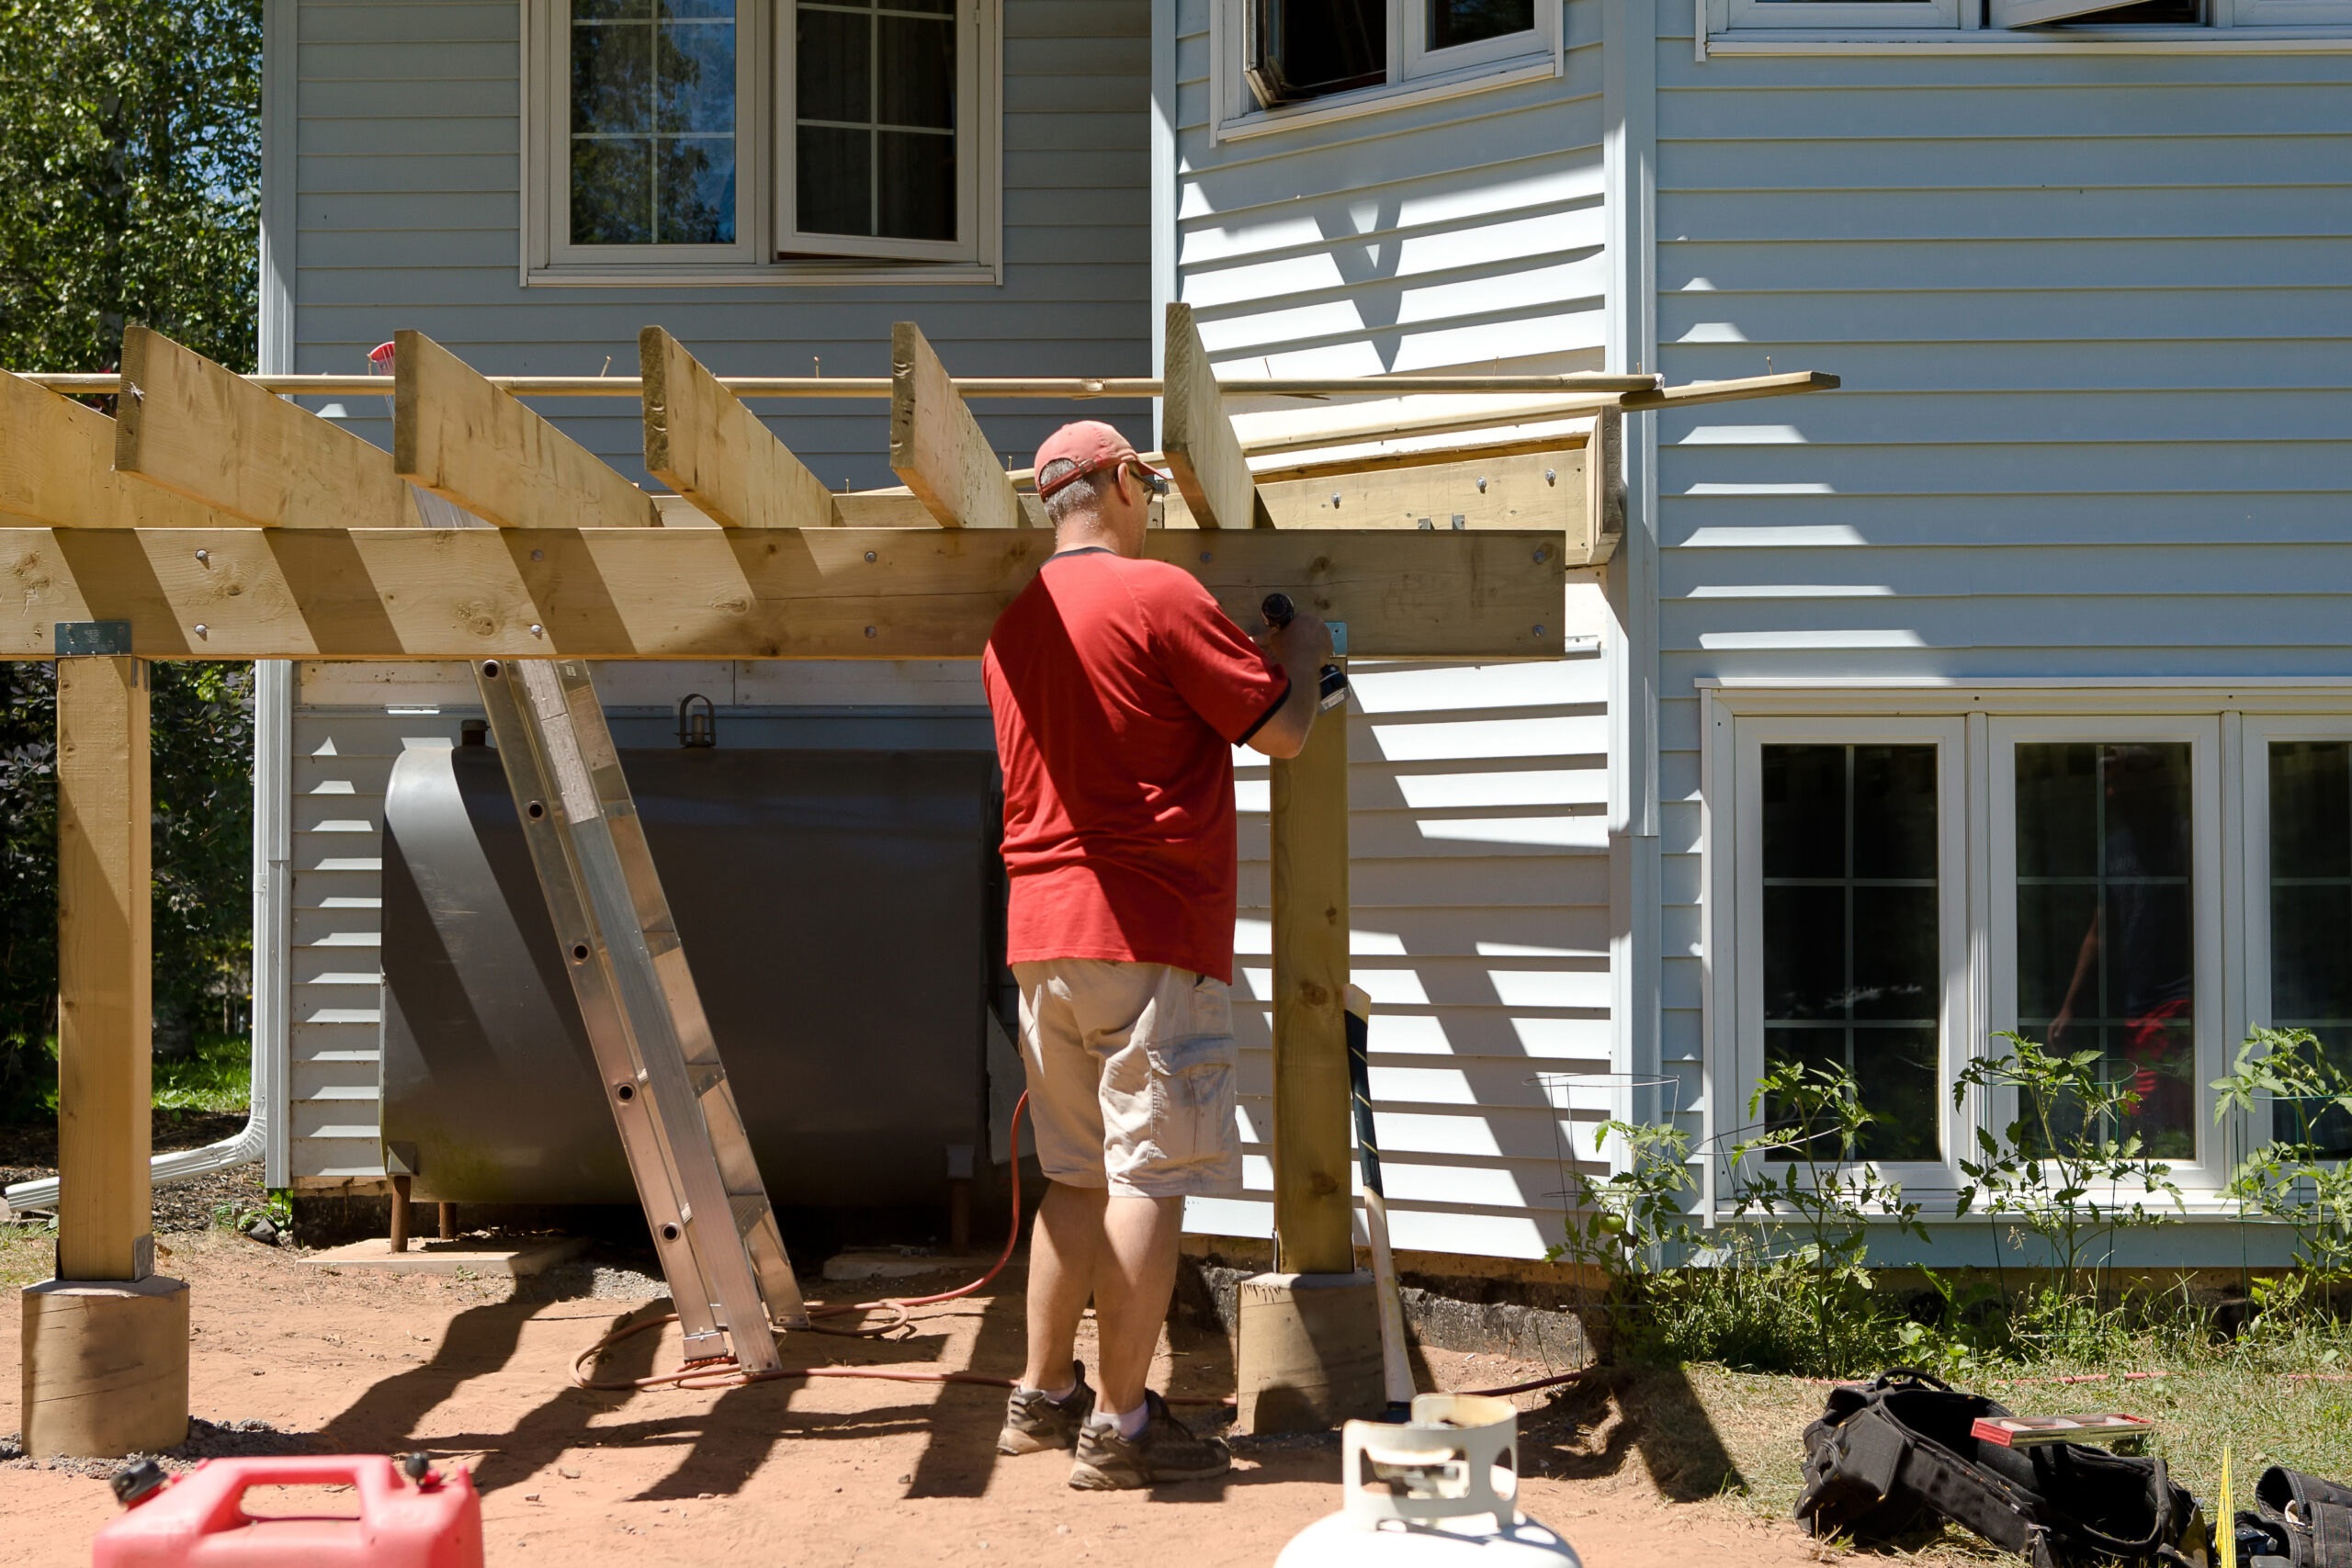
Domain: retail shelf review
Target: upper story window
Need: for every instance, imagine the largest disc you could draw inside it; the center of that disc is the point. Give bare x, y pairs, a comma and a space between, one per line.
763, 141
2086, 21
1291, 61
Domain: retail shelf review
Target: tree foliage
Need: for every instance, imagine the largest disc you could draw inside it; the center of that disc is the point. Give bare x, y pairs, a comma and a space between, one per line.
130, 177
129, 191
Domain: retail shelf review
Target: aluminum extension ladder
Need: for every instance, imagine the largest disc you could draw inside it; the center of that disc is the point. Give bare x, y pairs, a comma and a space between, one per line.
712, 1223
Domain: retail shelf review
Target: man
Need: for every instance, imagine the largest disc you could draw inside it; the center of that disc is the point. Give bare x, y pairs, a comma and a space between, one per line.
1119, 690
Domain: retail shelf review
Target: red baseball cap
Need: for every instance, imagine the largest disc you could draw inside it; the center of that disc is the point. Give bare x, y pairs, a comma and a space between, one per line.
1093, 445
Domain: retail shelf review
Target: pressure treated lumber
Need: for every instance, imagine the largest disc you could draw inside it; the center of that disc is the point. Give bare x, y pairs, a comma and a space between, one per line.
702, 441
105, 1368
463, 439
105, 963
726, 593
1196, 438
1737, 390
1073, 388
1312, 1157
936, 446
1543, 488
1604, 477
212, 435
57, 468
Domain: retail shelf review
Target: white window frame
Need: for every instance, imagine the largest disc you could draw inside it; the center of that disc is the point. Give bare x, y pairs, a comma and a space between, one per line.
1954, 1011
1735, 28
964, 247
2258, 732
763, 174
2215, 1043
1416, 74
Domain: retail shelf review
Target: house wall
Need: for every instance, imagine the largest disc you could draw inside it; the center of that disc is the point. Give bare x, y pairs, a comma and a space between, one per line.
407, 159
2091, 313
1461, 233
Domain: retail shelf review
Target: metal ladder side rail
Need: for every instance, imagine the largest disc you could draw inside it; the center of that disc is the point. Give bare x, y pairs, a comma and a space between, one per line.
715, 1283
660, 961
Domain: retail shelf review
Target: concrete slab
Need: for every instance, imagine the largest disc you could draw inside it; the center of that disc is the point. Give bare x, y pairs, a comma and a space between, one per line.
517, 1256
844, 1266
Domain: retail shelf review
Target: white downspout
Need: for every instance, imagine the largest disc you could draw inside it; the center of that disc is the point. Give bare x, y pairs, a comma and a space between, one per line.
273, 748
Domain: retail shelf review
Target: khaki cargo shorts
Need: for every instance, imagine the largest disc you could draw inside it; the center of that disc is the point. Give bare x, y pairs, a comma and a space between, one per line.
1131, 1076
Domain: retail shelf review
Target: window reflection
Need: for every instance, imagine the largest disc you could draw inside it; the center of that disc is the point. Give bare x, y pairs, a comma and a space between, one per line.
874, 112
653, 122
1852, 970
2310, 918
2106, 926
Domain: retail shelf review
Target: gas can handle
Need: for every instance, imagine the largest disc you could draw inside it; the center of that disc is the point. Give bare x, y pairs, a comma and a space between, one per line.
371, 1475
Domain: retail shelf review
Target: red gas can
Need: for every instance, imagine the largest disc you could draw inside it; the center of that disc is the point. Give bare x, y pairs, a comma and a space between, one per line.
199, 1521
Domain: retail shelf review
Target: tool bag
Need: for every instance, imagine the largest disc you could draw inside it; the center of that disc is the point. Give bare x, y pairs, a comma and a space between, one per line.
1895, 1454
2296, 1521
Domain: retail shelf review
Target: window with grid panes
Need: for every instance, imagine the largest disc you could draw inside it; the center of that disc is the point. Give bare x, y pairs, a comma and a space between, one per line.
652, 133
2106, 924
2310, 918
1294, 50
1852, 975
875, 118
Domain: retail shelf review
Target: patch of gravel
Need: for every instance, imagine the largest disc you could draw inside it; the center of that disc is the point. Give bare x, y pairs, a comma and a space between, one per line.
588, 1278
206, 1440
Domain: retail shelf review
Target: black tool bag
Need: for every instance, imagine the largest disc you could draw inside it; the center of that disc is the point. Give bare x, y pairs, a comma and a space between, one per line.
2297, 1520
1895, 1455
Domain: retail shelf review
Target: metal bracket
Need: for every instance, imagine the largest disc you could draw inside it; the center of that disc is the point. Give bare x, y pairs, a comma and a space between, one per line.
109, 639
1339, 637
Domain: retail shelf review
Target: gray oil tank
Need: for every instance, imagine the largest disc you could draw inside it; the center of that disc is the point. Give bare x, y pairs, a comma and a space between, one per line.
837, 911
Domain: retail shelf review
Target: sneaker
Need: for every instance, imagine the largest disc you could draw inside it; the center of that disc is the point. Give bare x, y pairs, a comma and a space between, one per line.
1164, 1450
1034, 1423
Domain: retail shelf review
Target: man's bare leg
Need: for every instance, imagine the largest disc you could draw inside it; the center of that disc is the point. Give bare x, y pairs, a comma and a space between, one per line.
1065, 1253
1134, 1277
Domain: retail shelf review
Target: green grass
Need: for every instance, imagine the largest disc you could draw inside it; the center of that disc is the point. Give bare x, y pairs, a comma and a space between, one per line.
217, 1075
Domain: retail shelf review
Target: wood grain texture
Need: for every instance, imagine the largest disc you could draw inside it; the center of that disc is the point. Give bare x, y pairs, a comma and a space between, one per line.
57, 468
466, 441
105, 1369
702, 441
1604, 486
1310, 857
1509, 490
726, 592
205, 432
1197, 439
105, 965
936, 446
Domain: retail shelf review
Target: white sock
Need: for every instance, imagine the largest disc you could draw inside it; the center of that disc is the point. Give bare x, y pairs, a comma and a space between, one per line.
1129, 1422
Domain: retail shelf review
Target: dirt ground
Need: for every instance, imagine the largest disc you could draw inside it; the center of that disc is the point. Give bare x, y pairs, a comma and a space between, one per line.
822, 1472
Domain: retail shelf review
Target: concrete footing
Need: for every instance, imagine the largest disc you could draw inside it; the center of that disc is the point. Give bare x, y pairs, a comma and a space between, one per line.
104, 1367
1307, 1353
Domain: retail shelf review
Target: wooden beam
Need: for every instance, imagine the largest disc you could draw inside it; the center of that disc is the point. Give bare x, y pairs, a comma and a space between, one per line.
1313, 1195
104, 966
57, 468
702, 441
1738, 391
1196, 438
208, 433
1604, 485
1544, 488
463, 439
937, 446
726, 593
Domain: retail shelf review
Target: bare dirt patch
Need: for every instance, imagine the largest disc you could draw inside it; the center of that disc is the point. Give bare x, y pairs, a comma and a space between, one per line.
830, 1471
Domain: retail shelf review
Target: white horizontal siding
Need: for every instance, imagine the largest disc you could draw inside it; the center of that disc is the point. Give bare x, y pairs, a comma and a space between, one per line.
408, 169
2094, 318
1479, 911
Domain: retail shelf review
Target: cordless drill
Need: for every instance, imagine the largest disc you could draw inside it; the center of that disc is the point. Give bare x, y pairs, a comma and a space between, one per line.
1334, 689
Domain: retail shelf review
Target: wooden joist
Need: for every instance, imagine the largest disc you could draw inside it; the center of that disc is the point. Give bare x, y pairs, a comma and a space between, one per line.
481, 448
936, 446
702, 441
57, 468
726, 593
1732, 391
206, 432
1196, 438
1604, 485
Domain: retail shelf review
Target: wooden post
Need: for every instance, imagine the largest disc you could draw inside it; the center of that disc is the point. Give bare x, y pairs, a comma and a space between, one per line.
104, 971
1312, 1160
448, 1217
105, 1344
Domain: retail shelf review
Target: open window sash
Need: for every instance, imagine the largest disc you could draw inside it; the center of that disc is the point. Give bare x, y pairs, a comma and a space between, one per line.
2034, 13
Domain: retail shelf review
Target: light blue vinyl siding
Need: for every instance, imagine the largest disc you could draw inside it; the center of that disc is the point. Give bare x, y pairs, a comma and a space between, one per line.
1460, 233
2094, 317
409, 162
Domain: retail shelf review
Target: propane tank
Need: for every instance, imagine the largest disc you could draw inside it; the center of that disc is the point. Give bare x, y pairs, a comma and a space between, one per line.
1442, 1489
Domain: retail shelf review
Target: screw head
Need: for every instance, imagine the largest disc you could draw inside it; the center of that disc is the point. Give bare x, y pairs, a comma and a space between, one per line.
1206, 555
1550, 476
538, 555
204, 555
1482, 484
869, 555
538, 630
871, 632
1542, 553
1539, 631
202, 630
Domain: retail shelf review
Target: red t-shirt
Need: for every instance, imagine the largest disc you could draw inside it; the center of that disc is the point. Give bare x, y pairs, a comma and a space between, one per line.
1119, 690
